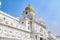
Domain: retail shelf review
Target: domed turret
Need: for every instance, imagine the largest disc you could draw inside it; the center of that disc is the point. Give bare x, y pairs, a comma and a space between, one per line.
29, 12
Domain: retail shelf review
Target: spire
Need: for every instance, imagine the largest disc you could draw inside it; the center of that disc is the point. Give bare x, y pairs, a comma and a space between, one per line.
28, 4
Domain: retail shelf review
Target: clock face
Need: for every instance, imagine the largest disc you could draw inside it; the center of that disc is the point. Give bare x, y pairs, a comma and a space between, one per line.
26, 13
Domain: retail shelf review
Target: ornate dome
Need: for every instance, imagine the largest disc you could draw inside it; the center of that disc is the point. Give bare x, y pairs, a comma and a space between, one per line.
29, 8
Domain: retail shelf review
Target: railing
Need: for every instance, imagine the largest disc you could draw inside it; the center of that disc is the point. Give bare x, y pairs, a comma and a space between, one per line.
14, 24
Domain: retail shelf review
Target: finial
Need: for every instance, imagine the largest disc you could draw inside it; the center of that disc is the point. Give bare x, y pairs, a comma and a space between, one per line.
28, 4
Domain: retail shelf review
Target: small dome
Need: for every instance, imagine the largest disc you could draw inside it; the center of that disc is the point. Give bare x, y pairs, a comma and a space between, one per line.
29, 8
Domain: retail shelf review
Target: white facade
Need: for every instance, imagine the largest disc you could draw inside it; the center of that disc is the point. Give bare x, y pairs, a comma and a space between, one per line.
58, 37
28, 28
51, 36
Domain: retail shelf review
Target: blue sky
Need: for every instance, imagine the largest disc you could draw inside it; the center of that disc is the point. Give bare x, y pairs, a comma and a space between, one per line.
48, 10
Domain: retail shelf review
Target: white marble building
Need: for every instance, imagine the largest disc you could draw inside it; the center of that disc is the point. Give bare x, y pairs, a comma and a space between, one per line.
58, 37
26, 28
51, 36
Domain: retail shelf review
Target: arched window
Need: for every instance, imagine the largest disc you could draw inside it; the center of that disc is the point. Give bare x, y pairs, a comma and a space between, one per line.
36, 36
41, 29
22, 22
4, 18
28, 27
6, 22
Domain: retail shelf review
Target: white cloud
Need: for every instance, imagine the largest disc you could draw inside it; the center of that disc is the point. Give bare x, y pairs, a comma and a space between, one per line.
0, 3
